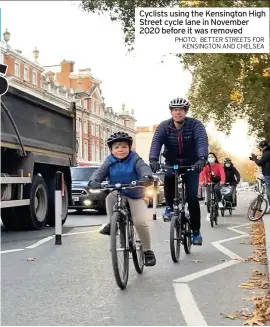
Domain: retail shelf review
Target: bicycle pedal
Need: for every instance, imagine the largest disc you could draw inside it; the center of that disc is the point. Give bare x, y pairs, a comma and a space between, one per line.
166, 219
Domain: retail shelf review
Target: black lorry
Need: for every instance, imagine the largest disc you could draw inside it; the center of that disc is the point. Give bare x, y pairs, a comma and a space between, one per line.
38, 139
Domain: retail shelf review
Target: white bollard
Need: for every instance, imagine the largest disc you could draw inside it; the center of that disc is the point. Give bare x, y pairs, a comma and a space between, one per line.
59, 178
155, 199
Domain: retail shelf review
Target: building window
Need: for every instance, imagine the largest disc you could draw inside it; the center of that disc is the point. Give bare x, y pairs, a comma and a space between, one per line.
85, 150
26, 74
85, 127
97, 130
34, 78
97, 153
85, 104
17, 70
93, 148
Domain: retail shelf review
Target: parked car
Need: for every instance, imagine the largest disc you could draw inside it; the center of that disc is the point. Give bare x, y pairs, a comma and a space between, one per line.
84, 197
160, 194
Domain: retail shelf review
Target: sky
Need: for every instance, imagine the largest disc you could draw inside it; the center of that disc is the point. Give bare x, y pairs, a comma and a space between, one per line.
61, 30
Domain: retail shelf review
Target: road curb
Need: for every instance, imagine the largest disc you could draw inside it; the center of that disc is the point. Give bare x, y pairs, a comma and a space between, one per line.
266, 221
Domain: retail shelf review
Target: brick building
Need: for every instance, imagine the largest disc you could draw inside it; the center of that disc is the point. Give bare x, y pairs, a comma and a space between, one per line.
95, 121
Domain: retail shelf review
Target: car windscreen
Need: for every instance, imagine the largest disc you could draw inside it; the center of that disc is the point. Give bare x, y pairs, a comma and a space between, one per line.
82, 174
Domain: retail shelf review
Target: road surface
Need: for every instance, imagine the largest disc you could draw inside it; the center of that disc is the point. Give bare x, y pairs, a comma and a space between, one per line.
73, 283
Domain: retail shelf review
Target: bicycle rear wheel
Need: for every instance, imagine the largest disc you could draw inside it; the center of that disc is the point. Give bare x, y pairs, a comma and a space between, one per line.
256, 210
175, 238
187, 236
118, 229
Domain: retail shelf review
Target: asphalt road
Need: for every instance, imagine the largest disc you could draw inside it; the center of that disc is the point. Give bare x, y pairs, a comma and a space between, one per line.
73, 284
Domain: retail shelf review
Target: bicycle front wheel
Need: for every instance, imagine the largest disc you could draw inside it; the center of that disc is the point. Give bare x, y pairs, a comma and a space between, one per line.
257, 208
175, 238
119, 250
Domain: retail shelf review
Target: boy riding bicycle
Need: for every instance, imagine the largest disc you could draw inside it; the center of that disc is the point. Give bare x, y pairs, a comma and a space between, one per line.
124, 166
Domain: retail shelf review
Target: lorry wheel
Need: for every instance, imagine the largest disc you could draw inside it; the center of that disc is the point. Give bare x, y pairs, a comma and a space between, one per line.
51, 213
33, 216
36, 214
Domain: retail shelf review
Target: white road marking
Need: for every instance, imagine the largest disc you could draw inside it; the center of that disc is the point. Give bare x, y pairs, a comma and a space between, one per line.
44, 240
189, 308
14, 250
226, 251
85, 232
204, 272
187, 303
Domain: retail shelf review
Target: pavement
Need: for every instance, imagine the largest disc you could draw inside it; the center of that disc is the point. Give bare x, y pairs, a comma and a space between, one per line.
73, 283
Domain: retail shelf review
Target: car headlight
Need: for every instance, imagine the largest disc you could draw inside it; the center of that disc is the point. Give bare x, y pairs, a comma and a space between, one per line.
87, 202
94, 191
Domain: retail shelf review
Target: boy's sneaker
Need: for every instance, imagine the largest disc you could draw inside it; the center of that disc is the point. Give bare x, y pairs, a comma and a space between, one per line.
167, 214
149, 258
197, 238
220, 205
105, 229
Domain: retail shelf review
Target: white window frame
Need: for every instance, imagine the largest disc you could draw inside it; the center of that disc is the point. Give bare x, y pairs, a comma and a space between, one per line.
26, 69
85, 150
19, 66
34, 73
85, 127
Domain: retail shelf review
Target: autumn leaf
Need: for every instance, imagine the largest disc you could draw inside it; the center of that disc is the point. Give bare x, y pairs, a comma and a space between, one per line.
254, 321
231, 316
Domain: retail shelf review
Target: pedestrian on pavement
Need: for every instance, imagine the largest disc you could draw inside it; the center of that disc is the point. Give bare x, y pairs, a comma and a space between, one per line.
185, 143
232, 177
264, 162
124, 166
213, 172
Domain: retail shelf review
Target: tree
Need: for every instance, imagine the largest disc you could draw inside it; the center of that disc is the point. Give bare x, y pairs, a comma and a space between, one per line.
225, 86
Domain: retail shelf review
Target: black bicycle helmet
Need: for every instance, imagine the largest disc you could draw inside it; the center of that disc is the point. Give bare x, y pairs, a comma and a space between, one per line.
263, 144
227, 160
119, 137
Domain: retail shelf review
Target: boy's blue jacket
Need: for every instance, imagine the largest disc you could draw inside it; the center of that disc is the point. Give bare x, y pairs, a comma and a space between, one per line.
124, 171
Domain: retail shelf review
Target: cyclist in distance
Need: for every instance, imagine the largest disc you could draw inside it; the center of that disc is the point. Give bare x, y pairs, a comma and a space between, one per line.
185, 143
264, 162
213, 172
124, 166
232, 177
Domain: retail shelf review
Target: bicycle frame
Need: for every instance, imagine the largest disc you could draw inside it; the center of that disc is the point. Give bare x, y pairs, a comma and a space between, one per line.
179, 180
123, 209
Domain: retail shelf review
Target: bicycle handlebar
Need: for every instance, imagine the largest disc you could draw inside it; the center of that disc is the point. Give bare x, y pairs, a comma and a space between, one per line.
177, 167
133, 184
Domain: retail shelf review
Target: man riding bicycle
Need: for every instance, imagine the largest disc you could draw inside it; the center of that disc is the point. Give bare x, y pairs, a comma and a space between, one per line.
185, 143
232, 177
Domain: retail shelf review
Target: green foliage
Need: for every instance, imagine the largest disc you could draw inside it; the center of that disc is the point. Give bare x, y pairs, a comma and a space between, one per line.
225, 86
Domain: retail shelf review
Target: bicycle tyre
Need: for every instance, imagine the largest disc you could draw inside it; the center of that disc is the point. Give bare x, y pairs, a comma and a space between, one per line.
187, 240
138, 257
212, 218
250, 209
116, 222
175, 226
